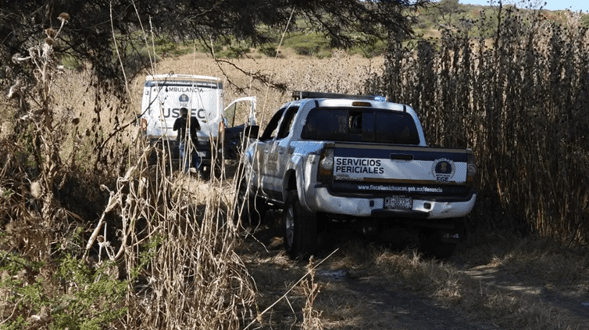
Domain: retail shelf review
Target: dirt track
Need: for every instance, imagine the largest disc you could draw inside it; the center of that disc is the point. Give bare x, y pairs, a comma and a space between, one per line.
354, 296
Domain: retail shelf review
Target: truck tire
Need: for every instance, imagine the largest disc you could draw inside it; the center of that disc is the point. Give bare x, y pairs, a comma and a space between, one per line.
300, 228
432, 245
444, 250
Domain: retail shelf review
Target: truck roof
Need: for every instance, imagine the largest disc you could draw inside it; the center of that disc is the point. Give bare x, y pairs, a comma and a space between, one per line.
330, 100
299, 95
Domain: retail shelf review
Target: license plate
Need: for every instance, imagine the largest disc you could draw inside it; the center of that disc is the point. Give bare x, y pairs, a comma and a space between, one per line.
398, 203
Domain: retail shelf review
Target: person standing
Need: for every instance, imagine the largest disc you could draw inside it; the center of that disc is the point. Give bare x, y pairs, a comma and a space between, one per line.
187, 142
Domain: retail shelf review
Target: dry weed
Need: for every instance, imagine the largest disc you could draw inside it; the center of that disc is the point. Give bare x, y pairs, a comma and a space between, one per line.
311, 317
519, 104
77, 191
490, 301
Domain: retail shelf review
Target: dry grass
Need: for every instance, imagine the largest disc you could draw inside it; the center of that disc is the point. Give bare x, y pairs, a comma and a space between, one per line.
495, 282
490, 300
182, 259
340, 73
520, 105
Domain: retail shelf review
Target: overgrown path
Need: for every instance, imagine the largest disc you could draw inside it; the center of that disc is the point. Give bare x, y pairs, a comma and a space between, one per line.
568, 305
391, 306
364, 286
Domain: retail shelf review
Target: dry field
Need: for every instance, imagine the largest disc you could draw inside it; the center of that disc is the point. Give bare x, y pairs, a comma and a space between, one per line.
259, 75
202, 272
494, 281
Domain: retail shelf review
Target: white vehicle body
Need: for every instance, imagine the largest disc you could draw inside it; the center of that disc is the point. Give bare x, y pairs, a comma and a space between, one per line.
357, 159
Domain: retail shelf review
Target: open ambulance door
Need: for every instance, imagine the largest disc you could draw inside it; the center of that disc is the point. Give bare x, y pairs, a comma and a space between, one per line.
238, 125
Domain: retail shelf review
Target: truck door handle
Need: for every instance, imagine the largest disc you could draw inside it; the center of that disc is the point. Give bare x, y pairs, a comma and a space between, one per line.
401, 157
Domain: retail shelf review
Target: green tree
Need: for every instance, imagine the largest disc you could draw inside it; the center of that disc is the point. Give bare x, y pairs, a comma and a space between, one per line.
447, 9
92, 24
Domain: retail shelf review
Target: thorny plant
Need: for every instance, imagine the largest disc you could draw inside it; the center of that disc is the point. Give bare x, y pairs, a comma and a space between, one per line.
160, 255
44, 141
520, 104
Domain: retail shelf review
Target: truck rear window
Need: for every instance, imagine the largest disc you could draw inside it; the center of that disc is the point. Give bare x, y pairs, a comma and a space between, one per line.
364, 125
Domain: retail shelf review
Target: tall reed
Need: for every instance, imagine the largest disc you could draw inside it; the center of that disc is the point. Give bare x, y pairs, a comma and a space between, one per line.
92, 236
519, 100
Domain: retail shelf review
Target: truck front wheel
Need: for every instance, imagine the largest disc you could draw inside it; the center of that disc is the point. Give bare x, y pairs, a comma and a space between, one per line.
300, 228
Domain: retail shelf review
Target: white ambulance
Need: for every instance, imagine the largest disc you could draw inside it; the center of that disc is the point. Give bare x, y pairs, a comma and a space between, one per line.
164, 95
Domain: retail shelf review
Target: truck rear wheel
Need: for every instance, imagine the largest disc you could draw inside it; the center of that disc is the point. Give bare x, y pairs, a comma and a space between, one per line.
432, 245
300, 228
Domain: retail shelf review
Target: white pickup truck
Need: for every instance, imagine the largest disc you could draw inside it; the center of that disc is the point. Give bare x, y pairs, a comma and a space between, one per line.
358, 160
164, 95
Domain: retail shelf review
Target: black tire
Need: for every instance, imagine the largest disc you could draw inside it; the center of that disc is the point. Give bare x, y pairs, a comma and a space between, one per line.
432, 245
300, 228
444, 250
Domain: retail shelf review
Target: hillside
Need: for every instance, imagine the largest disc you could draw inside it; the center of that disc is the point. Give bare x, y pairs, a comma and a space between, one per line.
475, 21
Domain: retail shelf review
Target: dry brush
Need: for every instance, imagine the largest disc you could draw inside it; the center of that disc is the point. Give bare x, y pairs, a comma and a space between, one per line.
520, 104
92, 236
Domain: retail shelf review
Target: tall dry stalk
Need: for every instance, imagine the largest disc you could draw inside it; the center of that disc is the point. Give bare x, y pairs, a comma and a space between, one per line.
178, 243
311, 317
520, 104
162, 236
179, 252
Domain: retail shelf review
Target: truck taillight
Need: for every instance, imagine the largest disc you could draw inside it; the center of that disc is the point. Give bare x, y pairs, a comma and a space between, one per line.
326, 164
471, 170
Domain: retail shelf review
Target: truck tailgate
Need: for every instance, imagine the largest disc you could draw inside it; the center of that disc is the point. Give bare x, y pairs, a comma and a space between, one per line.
400, 164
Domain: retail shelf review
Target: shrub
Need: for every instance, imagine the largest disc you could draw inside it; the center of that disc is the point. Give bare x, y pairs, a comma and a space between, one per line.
159, 255
72, 296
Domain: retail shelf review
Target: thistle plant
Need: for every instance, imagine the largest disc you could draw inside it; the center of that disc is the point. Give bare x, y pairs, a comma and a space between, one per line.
518, 99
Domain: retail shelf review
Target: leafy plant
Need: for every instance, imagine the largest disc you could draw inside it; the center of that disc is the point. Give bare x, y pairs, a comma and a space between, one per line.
307, 44
72, 296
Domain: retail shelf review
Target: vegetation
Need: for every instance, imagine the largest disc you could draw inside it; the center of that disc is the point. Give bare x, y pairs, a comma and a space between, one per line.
519, 104
124, 27
94, 238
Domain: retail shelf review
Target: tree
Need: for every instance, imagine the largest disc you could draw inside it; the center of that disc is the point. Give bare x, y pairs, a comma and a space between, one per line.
92, 24
447, 8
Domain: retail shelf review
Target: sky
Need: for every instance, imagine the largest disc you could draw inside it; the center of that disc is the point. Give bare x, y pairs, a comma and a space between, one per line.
575, 5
